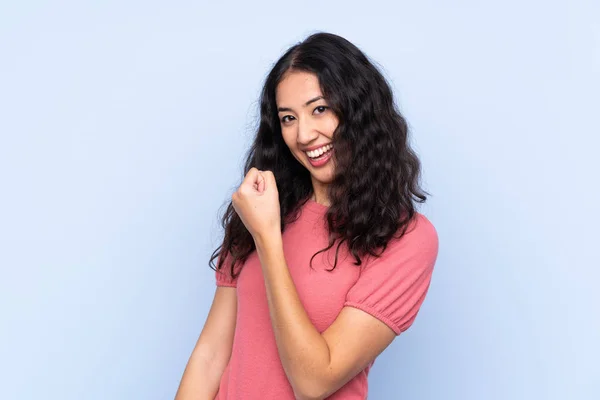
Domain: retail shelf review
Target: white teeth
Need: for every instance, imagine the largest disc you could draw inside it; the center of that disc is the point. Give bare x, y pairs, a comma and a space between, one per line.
319, 151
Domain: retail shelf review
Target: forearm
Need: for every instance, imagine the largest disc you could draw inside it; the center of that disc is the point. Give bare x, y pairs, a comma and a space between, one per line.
303, 351
200, 379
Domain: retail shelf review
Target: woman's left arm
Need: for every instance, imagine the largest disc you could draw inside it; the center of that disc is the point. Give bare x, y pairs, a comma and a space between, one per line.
316, 364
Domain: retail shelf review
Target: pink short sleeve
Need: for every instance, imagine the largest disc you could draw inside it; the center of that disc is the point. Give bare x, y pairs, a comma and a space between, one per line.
392, 287
223, 276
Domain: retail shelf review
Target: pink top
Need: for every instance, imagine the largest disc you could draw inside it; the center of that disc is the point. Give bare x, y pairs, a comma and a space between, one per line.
390, 288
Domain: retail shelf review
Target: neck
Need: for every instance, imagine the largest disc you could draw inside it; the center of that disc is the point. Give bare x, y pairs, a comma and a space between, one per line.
320, 194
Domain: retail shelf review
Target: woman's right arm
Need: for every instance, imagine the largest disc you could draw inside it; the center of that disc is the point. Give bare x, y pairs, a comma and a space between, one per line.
211, 354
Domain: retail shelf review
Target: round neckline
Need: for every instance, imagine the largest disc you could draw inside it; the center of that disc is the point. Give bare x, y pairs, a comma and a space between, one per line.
313, 206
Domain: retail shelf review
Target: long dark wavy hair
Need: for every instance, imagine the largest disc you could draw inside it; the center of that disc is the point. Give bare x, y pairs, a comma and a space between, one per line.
376, 178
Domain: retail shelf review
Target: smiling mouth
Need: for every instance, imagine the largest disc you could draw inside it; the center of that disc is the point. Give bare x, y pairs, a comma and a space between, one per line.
319, 153
322, 159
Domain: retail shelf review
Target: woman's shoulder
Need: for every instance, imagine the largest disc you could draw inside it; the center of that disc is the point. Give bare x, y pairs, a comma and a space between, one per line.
422, 226
418, 239
420, 230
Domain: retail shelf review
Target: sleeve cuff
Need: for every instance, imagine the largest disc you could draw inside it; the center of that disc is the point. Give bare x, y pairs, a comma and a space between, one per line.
370, 310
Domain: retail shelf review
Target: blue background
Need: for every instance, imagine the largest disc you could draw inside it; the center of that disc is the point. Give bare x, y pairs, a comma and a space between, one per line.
123, 127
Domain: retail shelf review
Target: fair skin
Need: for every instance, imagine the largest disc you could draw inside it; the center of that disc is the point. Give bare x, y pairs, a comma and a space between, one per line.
306, 121
316, 364
211, 354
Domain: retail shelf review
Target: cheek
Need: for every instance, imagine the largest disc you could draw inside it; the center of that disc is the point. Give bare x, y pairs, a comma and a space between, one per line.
289, 138
330, 126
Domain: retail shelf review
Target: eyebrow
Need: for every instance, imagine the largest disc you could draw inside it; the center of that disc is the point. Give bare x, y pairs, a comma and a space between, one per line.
279, 109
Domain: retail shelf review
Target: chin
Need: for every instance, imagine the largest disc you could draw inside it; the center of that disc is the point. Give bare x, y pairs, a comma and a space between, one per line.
323, 177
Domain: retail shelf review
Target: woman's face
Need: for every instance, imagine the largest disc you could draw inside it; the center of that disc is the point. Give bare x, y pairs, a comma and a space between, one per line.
307, 124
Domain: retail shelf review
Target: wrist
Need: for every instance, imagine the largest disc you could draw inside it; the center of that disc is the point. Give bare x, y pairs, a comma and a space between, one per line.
267, 240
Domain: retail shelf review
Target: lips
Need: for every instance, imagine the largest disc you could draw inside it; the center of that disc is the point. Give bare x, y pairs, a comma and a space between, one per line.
316, 152
316, 147
321, 160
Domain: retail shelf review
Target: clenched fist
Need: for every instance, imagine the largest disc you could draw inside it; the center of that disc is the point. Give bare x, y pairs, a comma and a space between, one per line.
257, 203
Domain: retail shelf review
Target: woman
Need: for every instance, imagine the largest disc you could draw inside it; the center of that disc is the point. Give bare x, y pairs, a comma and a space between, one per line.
325, 259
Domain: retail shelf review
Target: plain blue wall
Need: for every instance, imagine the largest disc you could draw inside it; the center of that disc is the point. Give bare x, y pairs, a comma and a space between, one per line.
123, 127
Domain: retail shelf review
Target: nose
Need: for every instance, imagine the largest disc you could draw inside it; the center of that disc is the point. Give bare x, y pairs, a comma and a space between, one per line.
307, 132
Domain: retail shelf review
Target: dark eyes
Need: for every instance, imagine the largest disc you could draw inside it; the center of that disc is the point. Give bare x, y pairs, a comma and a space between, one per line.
320, 108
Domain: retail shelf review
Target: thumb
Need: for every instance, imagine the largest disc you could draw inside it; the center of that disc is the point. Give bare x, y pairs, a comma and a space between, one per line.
269, 177
272, 182
251, 177
260, 182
